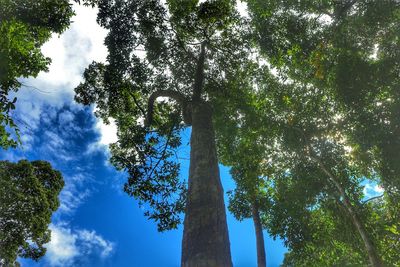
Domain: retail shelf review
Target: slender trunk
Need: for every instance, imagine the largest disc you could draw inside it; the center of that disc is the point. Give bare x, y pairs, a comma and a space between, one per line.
261, 258
373, 256
205, 236
369, 246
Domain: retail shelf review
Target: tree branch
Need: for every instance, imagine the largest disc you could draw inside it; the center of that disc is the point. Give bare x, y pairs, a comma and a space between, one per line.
345, 7
177, 96
137, 103
162, 153
372, 198
311, 154
199, 76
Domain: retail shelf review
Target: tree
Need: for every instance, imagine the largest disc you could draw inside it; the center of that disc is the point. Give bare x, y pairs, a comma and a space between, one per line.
248, 201
348, 49
345, 49
292, 136
312, 166
185, 51
333, 242
28, 197
241, 146
24, 27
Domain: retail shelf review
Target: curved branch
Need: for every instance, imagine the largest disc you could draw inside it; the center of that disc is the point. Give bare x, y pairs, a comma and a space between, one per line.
372, 198
177, 96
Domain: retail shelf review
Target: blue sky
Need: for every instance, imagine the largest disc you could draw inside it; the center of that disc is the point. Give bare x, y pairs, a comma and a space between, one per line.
97, 224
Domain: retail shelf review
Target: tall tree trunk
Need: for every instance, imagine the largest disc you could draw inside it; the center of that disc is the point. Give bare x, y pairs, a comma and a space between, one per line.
261, 258
373, 256
205, 236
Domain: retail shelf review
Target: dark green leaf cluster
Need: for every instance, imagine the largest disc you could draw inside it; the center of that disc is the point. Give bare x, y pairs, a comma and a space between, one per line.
334, 243
285, 134
349, 50
28, 197
308, 209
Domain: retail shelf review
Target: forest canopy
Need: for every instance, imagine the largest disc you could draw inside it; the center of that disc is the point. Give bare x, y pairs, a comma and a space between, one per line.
300, 99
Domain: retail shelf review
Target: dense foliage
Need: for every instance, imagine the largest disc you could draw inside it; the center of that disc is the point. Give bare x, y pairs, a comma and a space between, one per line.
348, 50
303, 96
288, 145
326, 130
28, 197
154, 50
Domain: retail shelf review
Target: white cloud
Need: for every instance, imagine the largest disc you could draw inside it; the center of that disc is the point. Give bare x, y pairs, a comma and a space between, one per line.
61, 248
242, 8
66, 117
108, 135
372, 190
30, 112
91, 239
71, 198
70, 52
40, 101
67, 245
54, 141
57, 145
108, 132
74, 193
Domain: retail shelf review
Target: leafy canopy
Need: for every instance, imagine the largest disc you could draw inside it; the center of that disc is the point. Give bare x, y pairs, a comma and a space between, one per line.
28, 197
185, 51
276, 145
349, 50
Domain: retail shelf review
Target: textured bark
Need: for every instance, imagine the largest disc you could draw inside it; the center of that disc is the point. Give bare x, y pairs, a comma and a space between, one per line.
373, 256
205, 235
261, 258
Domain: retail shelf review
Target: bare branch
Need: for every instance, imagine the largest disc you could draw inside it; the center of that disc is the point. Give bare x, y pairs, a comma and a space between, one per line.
162, 153
35, 88
372, 198
137, 104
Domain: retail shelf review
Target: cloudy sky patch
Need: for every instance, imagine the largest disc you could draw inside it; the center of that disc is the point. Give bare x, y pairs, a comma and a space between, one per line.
68, 247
